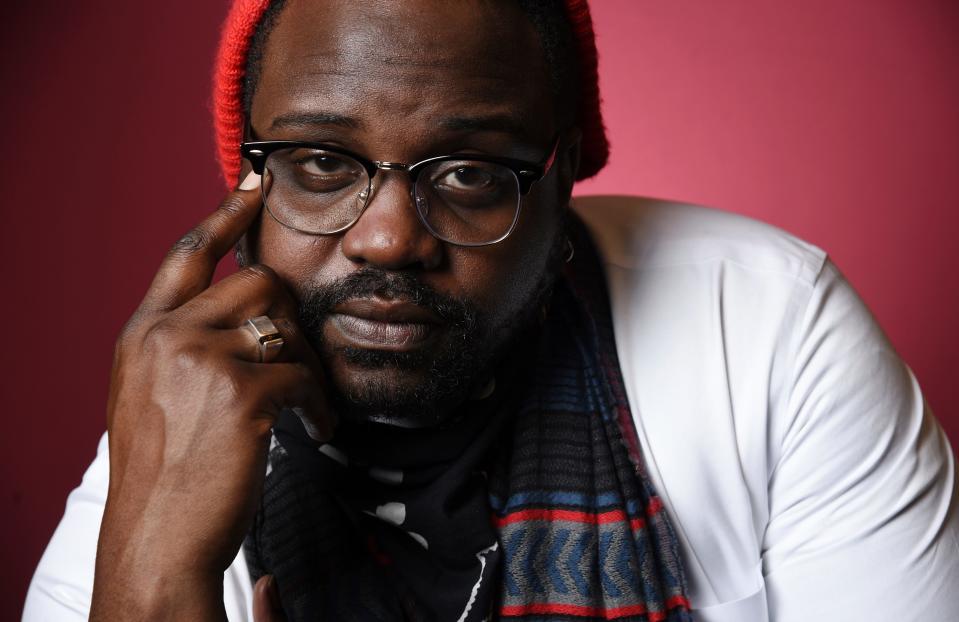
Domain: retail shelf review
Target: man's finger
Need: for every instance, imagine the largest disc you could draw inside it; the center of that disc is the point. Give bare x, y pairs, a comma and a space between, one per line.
292, 386
188, 267
266, 601
251, 291
241, 343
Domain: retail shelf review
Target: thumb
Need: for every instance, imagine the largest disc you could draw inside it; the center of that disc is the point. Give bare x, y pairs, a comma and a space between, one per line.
266, 601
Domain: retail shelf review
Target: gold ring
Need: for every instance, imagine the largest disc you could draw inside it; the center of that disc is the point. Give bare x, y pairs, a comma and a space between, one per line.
268, 338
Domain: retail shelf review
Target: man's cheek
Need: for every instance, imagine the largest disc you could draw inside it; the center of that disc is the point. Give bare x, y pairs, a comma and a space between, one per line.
303, 262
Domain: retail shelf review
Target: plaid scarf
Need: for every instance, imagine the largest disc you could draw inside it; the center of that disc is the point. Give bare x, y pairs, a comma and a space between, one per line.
532, 504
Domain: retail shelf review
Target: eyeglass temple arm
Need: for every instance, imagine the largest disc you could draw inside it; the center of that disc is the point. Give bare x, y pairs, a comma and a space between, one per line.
529, 177
256, 157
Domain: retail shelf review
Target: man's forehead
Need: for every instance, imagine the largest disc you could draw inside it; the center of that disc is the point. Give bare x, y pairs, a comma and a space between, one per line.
427, 33
481, 58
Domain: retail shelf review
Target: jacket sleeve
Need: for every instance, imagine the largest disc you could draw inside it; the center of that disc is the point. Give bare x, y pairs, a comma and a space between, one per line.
63, 582
863, 514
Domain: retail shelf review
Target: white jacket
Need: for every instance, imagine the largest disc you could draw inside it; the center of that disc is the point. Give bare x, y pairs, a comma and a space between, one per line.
804, 473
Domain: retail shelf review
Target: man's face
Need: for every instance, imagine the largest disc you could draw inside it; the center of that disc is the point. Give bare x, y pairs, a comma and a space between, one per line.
407, 325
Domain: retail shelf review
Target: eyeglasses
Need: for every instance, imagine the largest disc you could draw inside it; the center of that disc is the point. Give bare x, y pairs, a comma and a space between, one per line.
466, 200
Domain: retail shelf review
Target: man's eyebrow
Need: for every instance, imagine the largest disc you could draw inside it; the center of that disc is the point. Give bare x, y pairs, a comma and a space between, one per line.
497, 123
300, 120
494, 122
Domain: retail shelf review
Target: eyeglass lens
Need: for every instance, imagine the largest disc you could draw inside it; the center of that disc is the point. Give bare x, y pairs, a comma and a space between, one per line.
461, 201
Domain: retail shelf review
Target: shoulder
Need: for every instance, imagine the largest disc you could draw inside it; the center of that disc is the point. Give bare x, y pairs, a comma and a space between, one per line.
696, 290
700, 290
758, 378
639, 233
705, 305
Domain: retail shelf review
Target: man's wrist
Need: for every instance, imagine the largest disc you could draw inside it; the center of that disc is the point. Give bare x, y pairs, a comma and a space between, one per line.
182, 597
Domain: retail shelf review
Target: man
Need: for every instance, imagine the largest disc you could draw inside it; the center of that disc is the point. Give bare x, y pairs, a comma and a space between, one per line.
418, 400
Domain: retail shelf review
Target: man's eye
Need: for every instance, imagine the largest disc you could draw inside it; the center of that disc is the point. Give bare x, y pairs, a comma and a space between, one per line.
324, 165
471, 184
466, 179
318, 171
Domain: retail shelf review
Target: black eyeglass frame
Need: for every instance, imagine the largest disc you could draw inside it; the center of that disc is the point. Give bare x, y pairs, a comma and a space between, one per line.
527, 173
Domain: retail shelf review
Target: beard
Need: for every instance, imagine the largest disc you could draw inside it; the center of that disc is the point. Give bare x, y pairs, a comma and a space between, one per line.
447, 373
445, 376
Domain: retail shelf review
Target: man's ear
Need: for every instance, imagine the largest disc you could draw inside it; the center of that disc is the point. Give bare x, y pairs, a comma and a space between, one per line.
567, 161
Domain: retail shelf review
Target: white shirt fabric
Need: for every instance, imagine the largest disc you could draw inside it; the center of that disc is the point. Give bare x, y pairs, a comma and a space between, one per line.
804, 474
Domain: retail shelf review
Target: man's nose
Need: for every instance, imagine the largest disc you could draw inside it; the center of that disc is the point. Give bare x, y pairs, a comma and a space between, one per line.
389, 234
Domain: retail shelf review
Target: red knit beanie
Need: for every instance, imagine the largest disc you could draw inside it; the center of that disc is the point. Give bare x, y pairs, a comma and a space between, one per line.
241, 23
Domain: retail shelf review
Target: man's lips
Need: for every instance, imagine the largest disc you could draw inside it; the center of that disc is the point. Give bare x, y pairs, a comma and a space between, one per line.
382, 324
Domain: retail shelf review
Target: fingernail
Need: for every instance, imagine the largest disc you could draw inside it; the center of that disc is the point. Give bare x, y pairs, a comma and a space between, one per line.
252, 182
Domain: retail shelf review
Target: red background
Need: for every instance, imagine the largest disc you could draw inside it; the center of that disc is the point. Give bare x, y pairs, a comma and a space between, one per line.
838, 121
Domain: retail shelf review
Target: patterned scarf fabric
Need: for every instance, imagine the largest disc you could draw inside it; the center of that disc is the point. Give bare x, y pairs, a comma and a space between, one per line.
533, 504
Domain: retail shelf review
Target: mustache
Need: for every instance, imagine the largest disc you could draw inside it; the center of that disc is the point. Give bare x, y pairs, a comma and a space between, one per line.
369, 282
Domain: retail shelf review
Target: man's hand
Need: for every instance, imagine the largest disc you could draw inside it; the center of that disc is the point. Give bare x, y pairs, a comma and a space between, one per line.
189, 420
